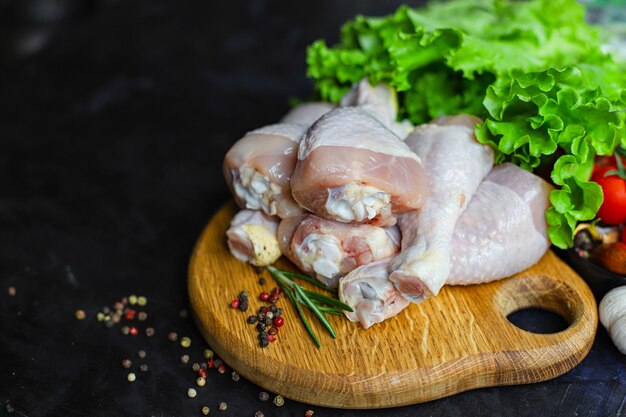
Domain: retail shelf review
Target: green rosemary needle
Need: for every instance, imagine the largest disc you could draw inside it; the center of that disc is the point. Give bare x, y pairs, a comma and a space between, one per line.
318, 304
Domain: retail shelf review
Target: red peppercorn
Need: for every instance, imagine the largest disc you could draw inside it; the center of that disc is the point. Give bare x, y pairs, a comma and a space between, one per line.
130, 314
264, 296
221, 369
211, 363
203, 373
279, 321
133, 331
265, 310
234, 303
271, 337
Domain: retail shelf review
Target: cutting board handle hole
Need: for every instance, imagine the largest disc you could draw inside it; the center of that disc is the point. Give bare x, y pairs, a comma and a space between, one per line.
541, 305
538, 320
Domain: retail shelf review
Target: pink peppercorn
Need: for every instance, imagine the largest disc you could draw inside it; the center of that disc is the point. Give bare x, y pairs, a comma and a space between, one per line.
133, 331
234, 303
264, 296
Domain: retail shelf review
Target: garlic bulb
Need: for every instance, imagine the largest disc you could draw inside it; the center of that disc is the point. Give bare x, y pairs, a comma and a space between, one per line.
613, 316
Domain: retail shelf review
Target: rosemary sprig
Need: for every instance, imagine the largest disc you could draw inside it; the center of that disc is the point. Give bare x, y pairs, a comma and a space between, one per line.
318, 304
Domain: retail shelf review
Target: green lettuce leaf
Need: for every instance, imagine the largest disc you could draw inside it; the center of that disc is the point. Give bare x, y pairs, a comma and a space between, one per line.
533, 70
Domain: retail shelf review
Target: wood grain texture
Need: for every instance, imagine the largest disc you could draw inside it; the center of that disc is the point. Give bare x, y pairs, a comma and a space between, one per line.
454, 342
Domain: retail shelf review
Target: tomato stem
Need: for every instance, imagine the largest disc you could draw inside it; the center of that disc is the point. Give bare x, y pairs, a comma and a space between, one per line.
620, 171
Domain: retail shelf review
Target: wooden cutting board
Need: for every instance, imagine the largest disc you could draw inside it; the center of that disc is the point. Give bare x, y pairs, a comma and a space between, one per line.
454, 342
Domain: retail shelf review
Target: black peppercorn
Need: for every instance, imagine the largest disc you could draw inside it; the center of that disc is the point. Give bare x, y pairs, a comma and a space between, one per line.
261, 326
252, 319
263, 343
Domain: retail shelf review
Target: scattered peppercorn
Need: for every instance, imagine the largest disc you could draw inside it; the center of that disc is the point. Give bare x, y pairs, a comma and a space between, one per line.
234, 303
195, 367
9, 408
200, 381
309, 413
130, 314
142, 301
221, 369
251, 319
205, 410
125, 330
132, 300
264, 342
191, 393
141, 354
143, 367
273, 330
261, 326
235, 376
262, 281
131, 377
80, 314
100, 316
222, 406
264, 396
185, 342
203, 365
207, 353
183, 313
184, 359
149, 331
142, 316
279, 321
264, 296
271, 338
279, 401
12, 291
218, 362
269, 315
172, 336
203, 372
127, 363
133, 331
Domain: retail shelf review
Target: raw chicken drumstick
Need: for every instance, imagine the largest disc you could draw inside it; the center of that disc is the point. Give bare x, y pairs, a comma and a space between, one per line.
371, 295
502, 232
352, 169
455, 164
252, 237
258, 166
328, 250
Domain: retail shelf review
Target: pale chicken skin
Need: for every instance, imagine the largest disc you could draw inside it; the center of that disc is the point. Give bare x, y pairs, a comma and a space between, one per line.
455, 164
379, 101
352, 169
307, 113
328, 250
371, 295
252, 237
503, 231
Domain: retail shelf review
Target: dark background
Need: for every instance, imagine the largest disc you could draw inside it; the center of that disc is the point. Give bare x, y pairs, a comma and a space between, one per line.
114, 119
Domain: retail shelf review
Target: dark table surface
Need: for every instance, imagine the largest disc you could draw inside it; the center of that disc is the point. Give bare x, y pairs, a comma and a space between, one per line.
113, 124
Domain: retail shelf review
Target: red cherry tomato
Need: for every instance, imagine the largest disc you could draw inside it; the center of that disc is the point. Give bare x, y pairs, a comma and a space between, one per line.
613, 209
